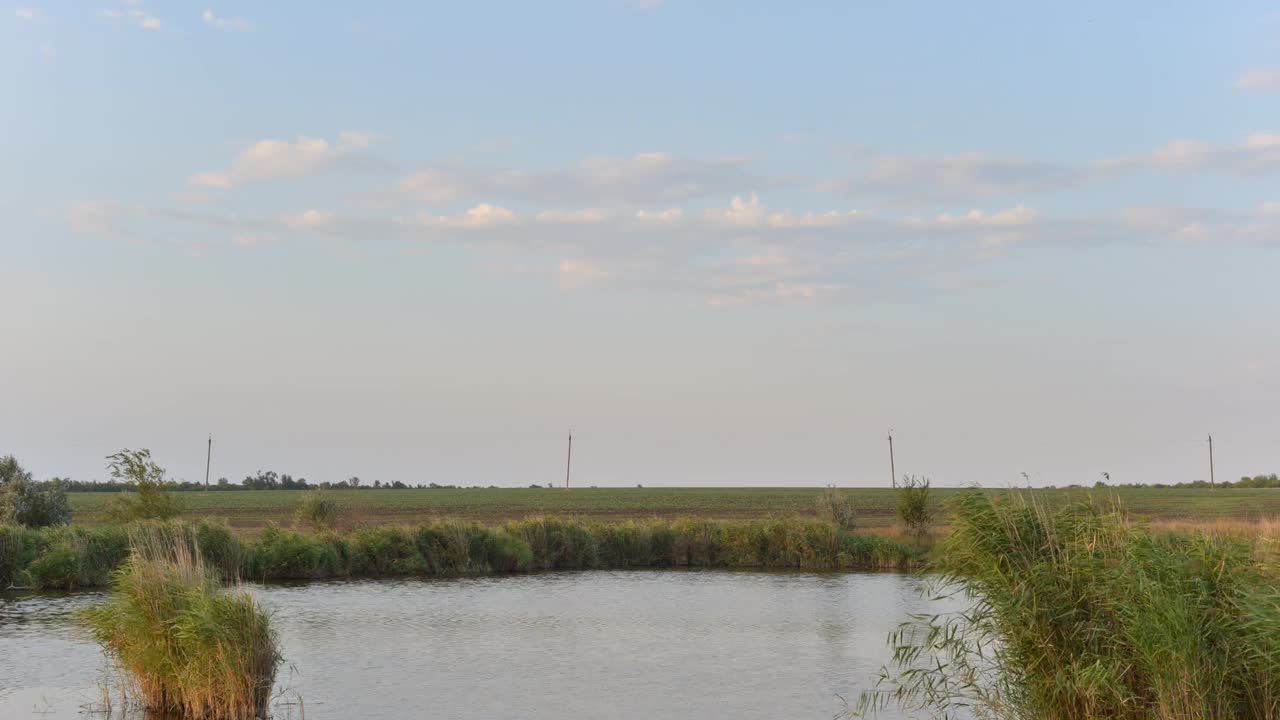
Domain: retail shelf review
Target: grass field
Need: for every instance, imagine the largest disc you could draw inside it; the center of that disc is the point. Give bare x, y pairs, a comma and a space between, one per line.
249, 509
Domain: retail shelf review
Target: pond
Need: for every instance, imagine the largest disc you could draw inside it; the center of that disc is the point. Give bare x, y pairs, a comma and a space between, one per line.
569, 646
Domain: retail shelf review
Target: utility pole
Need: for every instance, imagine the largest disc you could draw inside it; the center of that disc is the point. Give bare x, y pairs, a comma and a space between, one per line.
568, 461
1211, 485
207, 459
893, 471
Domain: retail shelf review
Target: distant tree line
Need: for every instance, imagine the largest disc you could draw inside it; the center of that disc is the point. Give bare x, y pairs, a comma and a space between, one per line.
268, 480
1257, 481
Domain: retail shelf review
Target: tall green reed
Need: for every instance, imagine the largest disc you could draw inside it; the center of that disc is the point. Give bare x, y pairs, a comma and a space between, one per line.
1080, 614
185, 644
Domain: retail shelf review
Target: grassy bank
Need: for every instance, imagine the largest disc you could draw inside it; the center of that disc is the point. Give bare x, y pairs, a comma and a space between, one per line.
1082, 613
78, 557
252, 510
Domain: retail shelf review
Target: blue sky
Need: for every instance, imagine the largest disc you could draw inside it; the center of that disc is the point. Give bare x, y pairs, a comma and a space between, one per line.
729, 243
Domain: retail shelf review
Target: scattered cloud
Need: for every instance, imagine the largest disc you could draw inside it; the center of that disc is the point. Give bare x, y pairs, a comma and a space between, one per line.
1259, 154
483, 215
25, 13
271, 159
977, 218
231, 24
751, 213
644, 178
903, 179
133, 12
646, 4
1259, 79
572, 217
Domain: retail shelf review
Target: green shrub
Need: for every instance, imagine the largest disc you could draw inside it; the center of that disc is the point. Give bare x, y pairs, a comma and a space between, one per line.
318, 510
187, 646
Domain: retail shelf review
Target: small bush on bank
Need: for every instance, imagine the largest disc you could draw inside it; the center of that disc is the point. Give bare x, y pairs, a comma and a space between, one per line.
835, 508
318, 510
914, 508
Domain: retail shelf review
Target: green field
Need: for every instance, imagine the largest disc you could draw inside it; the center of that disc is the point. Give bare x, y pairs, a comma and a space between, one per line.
876, 506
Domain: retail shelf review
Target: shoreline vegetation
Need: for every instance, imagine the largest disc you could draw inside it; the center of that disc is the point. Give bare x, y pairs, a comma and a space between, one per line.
1079, 613
74, 557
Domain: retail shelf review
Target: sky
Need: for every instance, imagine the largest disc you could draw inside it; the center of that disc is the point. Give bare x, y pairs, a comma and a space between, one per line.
726, 243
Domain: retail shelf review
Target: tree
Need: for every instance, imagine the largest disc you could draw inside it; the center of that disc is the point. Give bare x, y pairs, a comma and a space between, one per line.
26, 502
151, 497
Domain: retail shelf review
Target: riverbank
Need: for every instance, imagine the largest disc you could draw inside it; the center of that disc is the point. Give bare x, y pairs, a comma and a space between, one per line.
84, 557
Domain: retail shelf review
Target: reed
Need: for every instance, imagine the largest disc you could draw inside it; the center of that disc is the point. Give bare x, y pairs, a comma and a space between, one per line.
1080, 613
75, 557
185, 644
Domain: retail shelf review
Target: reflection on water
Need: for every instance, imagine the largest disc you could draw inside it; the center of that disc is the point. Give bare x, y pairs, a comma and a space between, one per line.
638, 644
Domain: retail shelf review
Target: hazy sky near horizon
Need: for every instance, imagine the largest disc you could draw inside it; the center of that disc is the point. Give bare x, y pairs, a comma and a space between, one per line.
728, 243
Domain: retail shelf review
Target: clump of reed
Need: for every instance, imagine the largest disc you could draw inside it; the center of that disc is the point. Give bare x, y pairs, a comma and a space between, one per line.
186, 645
1080, 613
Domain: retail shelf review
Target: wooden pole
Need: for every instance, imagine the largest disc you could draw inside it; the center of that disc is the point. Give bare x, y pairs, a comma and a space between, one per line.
568, 461
208, 458
1211, 484
893, 471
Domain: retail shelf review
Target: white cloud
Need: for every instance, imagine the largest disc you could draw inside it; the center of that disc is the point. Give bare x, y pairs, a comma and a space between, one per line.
481, 216
664, 217
751, 213
573, 217
25, 13
1269, 209
921, 180
232, 24
309, 220
270, 159
639, 179
576, 273
134, 12
977, 218
1259, 79
1259, 154
647, 4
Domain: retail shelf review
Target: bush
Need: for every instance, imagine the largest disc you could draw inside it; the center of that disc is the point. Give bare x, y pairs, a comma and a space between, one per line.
187, 646
914, 508
835, 508
151, 499
318, 510
26, 502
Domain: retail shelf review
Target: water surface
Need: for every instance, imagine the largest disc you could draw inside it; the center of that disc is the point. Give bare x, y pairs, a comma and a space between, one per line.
626, 645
